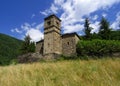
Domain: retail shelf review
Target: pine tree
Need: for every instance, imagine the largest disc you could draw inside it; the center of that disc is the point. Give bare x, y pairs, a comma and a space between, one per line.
32, 47
27, 46
87, 29
105, 30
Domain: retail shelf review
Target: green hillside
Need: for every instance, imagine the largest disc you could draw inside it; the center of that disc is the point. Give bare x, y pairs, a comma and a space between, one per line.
9, 48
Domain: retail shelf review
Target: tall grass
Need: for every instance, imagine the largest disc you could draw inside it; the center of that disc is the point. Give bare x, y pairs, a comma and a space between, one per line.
102, 72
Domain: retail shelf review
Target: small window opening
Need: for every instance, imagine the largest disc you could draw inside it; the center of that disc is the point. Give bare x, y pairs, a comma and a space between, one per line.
57, 24
49, 23
68, 43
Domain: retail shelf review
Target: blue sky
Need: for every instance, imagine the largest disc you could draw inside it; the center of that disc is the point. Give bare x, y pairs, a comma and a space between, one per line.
21, 17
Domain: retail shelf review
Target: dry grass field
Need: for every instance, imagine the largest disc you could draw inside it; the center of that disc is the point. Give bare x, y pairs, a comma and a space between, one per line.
101, 72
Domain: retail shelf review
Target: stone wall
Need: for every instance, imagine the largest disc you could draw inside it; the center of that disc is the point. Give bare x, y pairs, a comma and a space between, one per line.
77, 38
69, 42
57, 45
48, 43
39, 47
52, 43
52, 35
52, 21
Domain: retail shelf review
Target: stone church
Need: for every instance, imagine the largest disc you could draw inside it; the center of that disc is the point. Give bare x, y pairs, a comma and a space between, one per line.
54, 42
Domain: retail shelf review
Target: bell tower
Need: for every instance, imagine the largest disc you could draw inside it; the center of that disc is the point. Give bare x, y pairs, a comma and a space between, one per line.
52, 35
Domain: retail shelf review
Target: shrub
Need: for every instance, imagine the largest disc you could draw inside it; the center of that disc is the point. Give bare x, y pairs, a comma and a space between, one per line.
98, 47
72, 57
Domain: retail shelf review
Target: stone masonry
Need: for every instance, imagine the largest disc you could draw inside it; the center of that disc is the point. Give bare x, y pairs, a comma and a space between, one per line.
54, 43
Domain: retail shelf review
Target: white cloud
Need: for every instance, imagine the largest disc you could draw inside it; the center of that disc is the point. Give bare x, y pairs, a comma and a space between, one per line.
75, 10
54, 8
73, 28
33, 24
104, 14
35, 32
12, 30
25, 26
33, 15
44, 13
59, 2
35, 35
39, 26
95, 17
95, 27
16, 30
116, 25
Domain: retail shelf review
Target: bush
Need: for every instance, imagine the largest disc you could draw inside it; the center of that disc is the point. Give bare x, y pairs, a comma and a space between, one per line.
98, 47
63, 57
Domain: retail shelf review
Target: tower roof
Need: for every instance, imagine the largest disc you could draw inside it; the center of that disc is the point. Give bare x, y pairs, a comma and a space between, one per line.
50, 16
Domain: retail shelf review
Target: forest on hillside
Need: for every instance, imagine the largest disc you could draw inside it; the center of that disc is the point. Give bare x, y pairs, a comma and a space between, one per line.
9, 49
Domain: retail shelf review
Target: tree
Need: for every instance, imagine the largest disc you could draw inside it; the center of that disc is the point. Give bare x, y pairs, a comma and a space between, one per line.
95, 36
87, 29
32, 47
119, 25
104, 31
27, 46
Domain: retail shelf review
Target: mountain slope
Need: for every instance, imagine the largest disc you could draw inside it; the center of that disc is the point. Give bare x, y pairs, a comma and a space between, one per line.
9, 48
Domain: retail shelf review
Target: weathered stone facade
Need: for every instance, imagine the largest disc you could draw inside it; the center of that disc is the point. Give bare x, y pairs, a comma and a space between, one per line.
39, 47
52, 36
54, 42
69, 42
